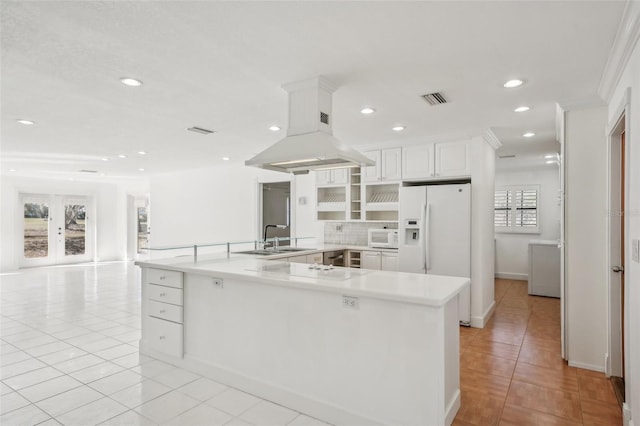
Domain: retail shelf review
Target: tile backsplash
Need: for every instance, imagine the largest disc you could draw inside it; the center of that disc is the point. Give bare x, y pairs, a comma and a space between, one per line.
352, 233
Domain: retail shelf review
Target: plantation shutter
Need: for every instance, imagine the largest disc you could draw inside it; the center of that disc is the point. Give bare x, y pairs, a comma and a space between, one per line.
502, 212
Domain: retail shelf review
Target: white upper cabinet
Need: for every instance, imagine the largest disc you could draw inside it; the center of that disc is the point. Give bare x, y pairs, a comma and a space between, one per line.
388, 165
418, 161
372, 173
452, 159
448, 159
332, 177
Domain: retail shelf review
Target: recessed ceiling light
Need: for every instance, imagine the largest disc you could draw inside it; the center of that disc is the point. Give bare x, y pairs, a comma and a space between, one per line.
397, 128
225, 158
142, 152
104, 159
26, 122
122, 156
513, 83
141, 170
132, 82
274, 128
528, 135
522, 109
367, 110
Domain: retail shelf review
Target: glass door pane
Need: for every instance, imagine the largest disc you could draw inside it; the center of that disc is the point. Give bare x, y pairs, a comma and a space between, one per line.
74, 229
36, 230
143, 229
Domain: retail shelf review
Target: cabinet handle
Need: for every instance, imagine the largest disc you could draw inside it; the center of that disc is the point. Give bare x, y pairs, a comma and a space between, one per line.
162, 311
161, 337
163, 294
162, 277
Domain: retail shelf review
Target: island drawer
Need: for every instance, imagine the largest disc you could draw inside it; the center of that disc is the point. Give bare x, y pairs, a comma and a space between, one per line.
164, 294
163, 277
164, 336
165, 311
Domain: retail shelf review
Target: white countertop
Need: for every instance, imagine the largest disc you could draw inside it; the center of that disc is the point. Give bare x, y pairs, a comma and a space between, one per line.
429, 290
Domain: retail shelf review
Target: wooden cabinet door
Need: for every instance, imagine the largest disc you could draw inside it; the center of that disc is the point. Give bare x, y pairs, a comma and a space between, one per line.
372, 173
370, 260
389, 262
418, 162
391, 162
452, 159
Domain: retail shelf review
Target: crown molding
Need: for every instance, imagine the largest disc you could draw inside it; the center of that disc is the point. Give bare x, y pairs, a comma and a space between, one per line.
490, 138
623, 45
594, 101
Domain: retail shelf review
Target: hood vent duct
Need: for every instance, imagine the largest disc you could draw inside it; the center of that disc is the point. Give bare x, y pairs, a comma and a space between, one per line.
309, 144
434, 98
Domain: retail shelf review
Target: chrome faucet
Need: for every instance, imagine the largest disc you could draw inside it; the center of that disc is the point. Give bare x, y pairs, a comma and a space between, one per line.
264, 239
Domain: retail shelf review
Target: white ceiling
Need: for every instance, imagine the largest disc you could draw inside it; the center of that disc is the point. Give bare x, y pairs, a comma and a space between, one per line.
220, 65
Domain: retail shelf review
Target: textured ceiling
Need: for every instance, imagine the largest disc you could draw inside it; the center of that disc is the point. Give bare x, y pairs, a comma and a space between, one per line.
220, 65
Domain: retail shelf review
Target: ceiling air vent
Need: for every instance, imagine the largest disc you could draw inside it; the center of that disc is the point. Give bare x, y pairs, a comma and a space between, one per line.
324, 118
507, 156
200, 130
434, 98
88, 171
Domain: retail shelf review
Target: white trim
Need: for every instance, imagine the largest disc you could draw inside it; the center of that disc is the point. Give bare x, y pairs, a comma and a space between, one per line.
599, 368
452, 408
481, 321
623, 45
585, 103
512, 276
626, 415
491, 139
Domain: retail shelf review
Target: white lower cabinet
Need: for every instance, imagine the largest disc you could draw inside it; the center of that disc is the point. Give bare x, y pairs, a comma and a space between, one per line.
315, 258
163, 315
370, 260
164, 336
297, 259
389, 261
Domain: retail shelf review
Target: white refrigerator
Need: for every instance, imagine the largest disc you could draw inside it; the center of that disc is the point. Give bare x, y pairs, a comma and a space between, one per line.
435, 234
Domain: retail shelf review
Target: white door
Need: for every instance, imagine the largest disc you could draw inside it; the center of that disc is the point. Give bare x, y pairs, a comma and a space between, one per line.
452, 159
372, 173
370, 260
417, 162
55, 229
391, 160
389, 262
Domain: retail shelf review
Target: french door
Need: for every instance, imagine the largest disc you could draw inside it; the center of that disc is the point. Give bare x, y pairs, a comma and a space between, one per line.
56, 229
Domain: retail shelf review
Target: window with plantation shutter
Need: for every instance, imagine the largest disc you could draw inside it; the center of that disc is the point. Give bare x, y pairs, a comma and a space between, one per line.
516, 209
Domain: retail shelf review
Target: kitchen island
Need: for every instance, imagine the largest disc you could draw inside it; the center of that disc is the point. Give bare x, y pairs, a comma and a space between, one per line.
347, 346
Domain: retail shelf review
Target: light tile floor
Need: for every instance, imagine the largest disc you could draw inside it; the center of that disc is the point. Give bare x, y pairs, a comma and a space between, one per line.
69, 355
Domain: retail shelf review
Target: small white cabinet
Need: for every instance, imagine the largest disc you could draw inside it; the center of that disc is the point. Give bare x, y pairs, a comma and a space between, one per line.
370, 260
389, 261
388, 165
447, 159
332, 177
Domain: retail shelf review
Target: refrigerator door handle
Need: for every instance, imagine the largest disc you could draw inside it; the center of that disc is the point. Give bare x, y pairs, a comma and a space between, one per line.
427, 236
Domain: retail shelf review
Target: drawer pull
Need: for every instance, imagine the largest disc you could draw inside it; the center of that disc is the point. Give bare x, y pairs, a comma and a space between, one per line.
161, 337
163, 294
163, 277
162, 311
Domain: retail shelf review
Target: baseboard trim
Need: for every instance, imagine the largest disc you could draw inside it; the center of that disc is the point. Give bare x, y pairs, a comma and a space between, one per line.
512, 276
626, 415
452, 408
481, 321
598, 368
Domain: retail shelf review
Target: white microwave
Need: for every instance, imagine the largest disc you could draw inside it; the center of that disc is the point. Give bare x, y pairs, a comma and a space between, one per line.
383, 238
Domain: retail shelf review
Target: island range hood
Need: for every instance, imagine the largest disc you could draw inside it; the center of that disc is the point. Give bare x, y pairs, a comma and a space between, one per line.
309, 144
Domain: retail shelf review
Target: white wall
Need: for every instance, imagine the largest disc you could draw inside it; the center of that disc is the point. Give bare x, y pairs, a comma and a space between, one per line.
586, 243
631, 79
111, 214
219, 204
512, 250
482, 231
